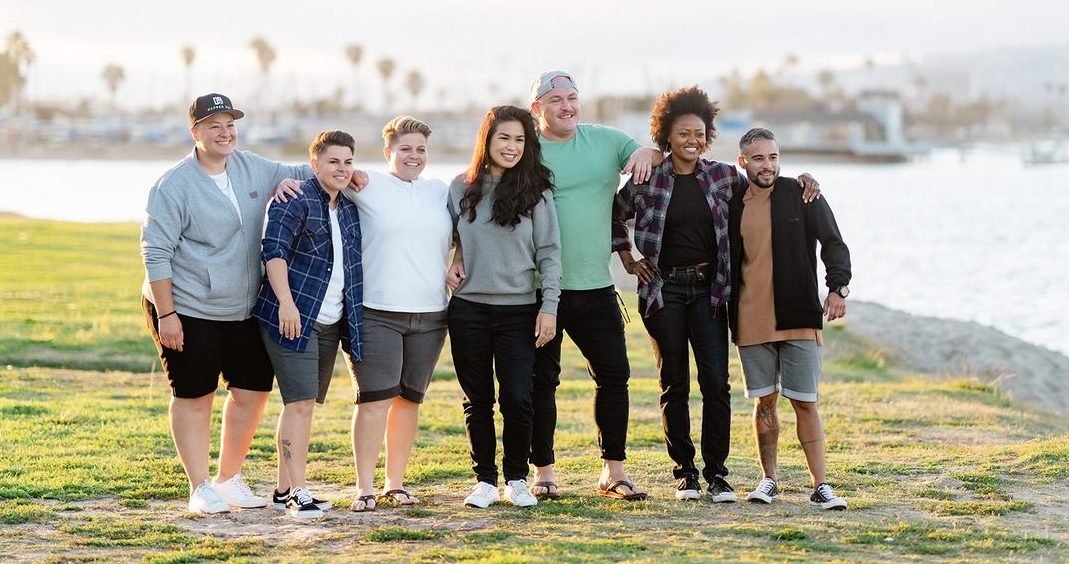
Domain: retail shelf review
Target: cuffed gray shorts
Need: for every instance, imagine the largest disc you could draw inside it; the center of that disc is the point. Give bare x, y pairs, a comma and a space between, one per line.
305, 375
399, 354
789, 367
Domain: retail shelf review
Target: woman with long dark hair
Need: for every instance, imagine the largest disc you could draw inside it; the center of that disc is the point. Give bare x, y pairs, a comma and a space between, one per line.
506, 225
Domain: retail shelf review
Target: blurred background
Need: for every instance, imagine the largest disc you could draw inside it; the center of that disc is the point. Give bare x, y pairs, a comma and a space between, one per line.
938, 130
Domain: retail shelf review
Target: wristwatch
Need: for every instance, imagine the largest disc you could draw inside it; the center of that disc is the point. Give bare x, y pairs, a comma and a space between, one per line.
843, 291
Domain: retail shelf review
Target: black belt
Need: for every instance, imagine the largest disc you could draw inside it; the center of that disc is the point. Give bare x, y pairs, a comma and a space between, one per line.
688, 274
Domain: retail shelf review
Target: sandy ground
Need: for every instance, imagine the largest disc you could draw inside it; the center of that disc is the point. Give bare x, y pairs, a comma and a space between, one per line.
1024, 371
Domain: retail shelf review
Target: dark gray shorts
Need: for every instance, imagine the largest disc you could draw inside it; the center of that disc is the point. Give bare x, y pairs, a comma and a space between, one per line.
305, 375
400, 351
791, 367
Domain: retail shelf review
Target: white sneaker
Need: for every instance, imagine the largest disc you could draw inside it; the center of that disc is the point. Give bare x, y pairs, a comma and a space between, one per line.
484, 495
765, 492
205, 499
236, 493
517, 493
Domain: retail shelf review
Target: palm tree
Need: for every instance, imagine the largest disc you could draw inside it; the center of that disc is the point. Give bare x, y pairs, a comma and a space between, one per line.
20, 52
113, 76
265, 56
386, 67
414, 84
11, 79
355, 53
188, 55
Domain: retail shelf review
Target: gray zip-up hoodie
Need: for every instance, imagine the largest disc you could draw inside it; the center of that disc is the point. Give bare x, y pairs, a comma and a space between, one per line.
193, 235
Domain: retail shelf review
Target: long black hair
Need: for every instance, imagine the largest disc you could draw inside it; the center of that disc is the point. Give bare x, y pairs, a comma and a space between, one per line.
521, 186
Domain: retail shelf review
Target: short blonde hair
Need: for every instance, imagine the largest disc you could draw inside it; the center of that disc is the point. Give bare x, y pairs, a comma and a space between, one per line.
401, 125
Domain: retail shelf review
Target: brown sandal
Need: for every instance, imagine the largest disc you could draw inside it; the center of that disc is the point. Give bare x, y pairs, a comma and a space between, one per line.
613, 491
552, 490
392, 498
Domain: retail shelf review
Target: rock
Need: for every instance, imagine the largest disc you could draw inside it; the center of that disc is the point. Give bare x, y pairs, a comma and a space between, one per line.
944, 347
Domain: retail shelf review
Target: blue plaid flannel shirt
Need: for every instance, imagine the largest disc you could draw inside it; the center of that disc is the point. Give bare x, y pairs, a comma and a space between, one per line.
299, 232
647, 204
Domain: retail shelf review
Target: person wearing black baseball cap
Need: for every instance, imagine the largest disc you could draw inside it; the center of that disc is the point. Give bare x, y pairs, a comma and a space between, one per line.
200, 244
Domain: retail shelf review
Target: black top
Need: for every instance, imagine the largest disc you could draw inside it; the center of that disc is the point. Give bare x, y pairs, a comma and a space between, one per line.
796, 229
688, 237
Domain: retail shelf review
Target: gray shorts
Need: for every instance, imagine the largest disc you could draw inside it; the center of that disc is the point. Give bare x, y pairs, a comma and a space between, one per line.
790, 367
400, 352
305, 375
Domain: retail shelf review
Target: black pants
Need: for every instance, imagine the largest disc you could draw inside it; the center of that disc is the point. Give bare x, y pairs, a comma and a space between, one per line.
488, 339
688, 316
592, 320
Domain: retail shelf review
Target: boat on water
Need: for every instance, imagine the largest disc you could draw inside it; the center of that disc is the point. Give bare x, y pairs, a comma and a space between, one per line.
1053, 151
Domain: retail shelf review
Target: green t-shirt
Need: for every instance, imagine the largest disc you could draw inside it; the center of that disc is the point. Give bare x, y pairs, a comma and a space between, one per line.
586, 173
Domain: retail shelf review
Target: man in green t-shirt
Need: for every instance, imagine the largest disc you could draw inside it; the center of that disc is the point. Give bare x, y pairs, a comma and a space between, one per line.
586, 161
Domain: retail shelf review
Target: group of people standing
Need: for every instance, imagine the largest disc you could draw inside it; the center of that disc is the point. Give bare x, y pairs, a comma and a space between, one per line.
361, 260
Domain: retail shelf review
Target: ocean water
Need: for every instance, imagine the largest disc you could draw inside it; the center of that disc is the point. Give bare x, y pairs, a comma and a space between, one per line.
977, 237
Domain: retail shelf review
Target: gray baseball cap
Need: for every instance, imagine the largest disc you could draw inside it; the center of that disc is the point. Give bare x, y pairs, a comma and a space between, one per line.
549, 80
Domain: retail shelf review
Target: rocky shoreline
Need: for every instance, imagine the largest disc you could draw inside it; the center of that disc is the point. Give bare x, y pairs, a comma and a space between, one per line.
1029, 373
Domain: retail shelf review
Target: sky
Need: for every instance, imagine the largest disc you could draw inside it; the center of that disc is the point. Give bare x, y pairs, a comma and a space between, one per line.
462, 46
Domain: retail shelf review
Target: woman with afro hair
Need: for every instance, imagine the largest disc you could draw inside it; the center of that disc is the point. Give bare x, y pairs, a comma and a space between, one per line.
681, 229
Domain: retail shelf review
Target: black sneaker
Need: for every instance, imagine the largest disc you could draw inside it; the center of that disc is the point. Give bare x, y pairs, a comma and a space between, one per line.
765, 492
688, 488
720, 491
824, 497
301, 506
279, 499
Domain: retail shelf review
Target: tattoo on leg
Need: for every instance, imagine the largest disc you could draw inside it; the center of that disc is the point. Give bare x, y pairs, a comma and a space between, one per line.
813, 441
286, 449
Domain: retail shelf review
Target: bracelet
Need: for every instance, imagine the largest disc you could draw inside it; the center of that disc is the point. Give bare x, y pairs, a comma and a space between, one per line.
166, 315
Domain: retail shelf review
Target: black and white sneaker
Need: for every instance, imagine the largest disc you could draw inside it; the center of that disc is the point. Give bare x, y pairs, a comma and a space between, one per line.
765, 492
279, 499
720, 491
688, 488
824, 497
301, 506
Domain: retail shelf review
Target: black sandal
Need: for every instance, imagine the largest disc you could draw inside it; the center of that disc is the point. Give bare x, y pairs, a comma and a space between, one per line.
368, 501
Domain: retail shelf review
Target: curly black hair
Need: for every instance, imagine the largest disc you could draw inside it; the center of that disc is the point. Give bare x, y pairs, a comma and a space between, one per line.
671, 105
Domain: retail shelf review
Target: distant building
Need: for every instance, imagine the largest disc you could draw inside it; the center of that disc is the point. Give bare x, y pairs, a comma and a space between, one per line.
872, 130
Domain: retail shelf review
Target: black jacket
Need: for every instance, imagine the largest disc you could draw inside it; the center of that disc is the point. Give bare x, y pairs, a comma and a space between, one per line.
796, 228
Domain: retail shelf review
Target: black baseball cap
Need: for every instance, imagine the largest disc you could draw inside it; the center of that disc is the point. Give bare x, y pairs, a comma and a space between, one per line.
210, 104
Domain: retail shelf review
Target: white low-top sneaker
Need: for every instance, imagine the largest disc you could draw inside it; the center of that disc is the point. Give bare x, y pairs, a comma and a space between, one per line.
517, 493
484, 495
205, 499
236, 493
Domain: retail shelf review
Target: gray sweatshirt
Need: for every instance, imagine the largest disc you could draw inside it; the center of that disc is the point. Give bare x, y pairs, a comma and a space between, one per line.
192, 234
506, 265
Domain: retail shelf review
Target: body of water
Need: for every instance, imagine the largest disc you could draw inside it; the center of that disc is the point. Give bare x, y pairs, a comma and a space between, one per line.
982, 238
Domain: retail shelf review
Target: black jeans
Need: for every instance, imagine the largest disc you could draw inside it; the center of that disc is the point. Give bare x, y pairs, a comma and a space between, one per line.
688, 316
486, 339
592, 319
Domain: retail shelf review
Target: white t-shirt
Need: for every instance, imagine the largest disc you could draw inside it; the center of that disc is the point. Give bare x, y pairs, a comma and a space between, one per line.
222, 180
331, 310
406, 232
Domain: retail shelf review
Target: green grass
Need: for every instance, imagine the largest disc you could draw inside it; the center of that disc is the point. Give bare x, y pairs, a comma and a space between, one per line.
88, 470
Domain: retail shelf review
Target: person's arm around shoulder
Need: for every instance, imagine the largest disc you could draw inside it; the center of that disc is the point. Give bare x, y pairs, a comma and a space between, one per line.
546, 233
166, 218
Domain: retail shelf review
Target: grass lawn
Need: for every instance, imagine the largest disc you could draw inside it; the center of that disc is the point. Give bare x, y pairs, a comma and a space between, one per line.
933, 468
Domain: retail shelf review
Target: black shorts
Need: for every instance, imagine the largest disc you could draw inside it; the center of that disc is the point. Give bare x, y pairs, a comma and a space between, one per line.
209, 347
